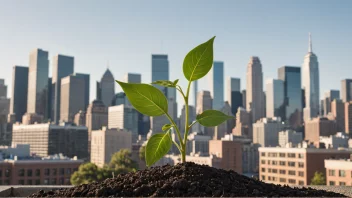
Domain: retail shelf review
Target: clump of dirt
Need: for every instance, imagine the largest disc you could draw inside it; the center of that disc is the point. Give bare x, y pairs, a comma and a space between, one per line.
186, 180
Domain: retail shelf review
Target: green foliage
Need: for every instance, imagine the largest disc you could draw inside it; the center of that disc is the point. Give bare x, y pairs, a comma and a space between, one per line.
122, 159
158, 146
87, 173
145, 98
318, 179
210, 118
151, 101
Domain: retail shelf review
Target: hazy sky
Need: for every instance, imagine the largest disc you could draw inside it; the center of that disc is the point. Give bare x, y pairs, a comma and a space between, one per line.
126, 33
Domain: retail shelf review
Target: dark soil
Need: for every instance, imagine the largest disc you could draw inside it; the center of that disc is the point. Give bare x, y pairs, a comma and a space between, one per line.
187, 179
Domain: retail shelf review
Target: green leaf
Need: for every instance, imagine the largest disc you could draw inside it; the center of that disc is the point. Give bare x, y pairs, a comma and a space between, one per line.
210, 118
199, 61
166, 127
158, 146
164, 83
175, 82
145, 98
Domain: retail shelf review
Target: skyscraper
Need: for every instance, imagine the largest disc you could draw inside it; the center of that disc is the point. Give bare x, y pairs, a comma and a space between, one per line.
338, 112
310, 83
204, 102
254, 92
244, 98
132, 78
72, 97
243, 124
18, 105
38, 82
346, 90
62, 66
160, 71
217, 84
3, 89
106, 88
274, 98
266, 131
124, 117
4, 101
293, 95
233, 92
330, 96
86, 78
195, 91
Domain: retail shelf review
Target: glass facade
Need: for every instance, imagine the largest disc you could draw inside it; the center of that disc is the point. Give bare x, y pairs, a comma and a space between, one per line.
293, 95
346, 90
160, 71
86, 78
18, 105
275, 98
217, 84
234, 95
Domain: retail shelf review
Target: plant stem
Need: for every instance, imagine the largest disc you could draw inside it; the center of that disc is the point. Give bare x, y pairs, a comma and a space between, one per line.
186, 124
176, 127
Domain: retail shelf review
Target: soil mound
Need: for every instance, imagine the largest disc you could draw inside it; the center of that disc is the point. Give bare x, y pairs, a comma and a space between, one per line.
188, 180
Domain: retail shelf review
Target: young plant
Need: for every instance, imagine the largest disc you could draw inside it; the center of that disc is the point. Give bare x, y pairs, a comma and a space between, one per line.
151, 101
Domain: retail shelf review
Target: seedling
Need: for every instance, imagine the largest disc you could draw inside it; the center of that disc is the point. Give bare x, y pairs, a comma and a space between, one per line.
150, 101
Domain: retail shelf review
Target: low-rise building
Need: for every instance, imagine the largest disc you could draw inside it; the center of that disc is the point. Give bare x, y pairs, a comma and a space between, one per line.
19, 150
338, 172
317, 127
210, 160
335, 141
198, 143
290, 136
294, 166
266, 131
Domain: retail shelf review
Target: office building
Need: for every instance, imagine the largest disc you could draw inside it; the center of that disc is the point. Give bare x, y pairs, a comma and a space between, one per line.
266, 131
204, 102
208, 160
62, 66
18, 104
338, 113
32, 118
243, 124
226, 127
216, 80
233, 93
330, 96
124, 117
275, 98
310, 83
346, 90
244, 100
106, 88
5, 131
72, 97
106, 142
197, 144
254, 91
86, 78
292, 95
19, 150
338, 172
290, 137
191, 117
348, 118
3, 89
38, 82
294, 166
48, 139
319, 126
132, 78
80, 118
160, 71
4, 101
340, 140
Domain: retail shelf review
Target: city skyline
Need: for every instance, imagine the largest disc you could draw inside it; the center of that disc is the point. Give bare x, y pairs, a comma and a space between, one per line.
236, 38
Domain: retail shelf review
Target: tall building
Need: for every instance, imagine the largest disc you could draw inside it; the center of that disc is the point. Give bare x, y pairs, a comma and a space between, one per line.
346, 90
204, 102
5, 131
226, 127
106, 88
132, 78
80, 118
233, 92
124, 117
266, 131
119, 99
3, 89
62, 66
290, 137
217, 84
293, 95
191, 117
106, 142
310, 83
195, 91
49, 99
4, 101
38, 82
72, 97
275, 103
48, 139
317, 127
338, 112
244, 99
160, 71
96, 117
348, 118
254, 91
243, 124
86, 78
328, 98
340, 140
294, 166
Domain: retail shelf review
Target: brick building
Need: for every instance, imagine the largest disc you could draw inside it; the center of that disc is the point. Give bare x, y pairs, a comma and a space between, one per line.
339, 172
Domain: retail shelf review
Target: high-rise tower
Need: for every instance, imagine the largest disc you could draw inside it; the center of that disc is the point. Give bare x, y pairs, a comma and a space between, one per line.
106, 88
217, 84
18, 105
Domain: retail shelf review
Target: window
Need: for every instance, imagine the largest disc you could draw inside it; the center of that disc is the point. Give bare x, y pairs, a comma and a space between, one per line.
291, 164
272, 154
331, 183
331, 172
46, 181
282, 163
29, 182
21, 173
37, 182
274, 162
290, 172
283, 180
300, 155
262, 154
62, 171
29, 172
274, 178
53, 182
75, 169
21, 182
68, 171
300, 164
263, 162
46, 171
0, 182
269, 170
282, 154
0, 173
342, 183
54, 171
274, 170
263, 170
342, 173
61, 181
282, 171
269, 178
7, 182
37, 172
67, 181
291, 155
7, 173
292, 181
269, 162
301, 183
263, 177
301, 173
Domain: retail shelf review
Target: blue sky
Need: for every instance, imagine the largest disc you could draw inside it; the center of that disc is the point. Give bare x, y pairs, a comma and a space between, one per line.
126, 33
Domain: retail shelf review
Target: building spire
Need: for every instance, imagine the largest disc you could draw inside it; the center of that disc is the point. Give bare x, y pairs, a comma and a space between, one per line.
310, 49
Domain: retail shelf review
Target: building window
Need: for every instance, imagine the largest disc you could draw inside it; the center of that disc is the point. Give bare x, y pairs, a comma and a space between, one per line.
62, 171
37, 182
342, 173
263, 162
29, 182
269, 178
75, 169
331, 172
274, 170
7, 182
290, 172
274, 178
46, 181
47, 171
29, 172
0, 182
67, 181
263, 177
292, 164
301, 183
283, 180
282, 171
331, 183
269, 170
274, 163
7, 173
291, 155
292, 181
68, 171
37, 172
21, 182
262, 154
282, 163
54, 171
53, 181
300, 155
301, 173
300, 164
272, 154
0, 173
342, 183
282, 155
61, 181
263, 170
21, 173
